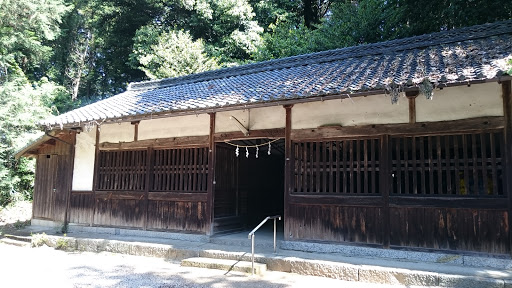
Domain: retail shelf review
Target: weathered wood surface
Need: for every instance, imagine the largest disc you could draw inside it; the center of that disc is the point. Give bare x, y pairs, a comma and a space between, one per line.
189, 141
420, 128
238, 135
177, 215
450, 229
53, 179
81, 206
335, 223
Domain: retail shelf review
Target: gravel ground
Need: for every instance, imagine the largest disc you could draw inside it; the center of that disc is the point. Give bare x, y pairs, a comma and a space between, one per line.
46, 267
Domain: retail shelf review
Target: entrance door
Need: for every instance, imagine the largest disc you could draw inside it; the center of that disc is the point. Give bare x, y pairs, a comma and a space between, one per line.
227, 216
51, 185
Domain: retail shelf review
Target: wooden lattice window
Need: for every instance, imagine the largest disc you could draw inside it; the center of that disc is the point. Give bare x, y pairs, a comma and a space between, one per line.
122, 170
465, 164
341, 166
180, 170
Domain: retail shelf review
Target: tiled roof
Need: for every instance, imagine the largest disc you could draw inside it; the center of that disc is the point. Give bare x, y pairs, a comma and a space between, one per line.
476, 53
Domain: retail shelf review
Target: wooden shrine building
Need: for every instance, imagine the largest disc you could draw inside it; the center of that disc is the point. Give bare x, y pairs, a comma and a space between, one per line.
404, 143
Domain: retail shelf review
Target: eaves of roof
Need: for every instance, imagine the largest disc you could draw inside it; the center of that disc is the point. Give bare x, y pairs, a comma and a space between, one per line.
455, 57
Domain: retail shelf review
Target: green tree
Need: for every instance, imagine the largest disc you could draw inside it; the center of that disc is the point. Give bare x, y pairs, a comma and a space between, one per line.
22, 105
169, 54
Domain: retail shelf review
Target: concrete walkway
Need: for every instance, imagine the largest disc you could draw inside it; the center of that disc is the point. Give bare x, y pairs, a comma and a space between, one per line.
349, 263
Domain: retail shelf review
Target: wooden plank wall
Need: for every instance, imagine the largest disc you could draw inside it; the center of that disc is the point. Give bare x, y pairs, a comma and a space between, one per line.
156, 189
445, 191
54, 168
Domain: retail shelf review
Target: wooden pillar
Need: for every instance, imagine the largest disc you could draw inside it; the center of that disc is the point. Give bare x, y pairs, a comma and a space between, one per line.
70, 177
411, 97
95, 176
149, 172
288, 168
135, 130
507, 112
385, 187
210, 197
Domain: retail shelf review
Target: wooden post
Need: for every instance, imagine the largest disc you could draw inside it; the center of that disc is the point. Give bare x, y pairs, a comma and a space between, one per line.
70, 178
385, 187
211, 177
507, 113
135, 130
411, 96
149, 172
288, 169
95, 175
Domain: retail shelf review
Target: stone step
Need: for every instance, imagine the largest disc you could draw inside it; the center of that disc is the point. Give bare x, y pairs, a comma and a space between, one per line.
27, 239
223, 264
9, 241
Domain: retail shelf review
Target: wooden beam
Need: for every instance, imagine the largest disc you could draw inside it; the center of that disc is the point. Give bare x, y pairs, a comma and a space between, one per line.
423, 128
254, 134
449, 202
188, 141
506, 91
211, 177
340, 200
287, 168
178, 196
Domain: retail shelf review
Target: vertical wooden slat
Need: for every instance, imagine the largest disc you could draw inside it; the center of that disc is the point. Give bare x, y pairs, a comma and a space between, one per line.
406, 165
317, 164
365, 159
345, 176
298, 167
414, 167
174, 170
439, 166
195, 171
351, 165
324, 166
398, 166
483, 155
493, 146
466, 167
311, 167
305, 171
476, 189
457, 164
358, 161
448, 165
149, 172
422, 164
338, 152
430, 164
331, 166
374, 168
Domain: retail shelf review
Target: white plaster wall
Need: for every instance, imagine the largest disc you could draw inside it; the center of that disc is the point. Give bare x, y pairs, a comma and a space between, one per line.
83, 169
461, 102
179, 126
260, 118
375, 109
117, 132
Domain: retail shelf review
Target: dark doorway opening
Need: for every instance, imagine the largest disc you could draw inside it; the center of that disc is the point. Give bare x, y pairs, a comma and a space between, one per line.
250, 186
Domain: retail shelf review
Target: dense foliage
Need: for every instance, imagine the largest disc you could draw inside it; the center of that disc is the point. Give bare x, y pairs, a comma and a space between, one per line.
56, 55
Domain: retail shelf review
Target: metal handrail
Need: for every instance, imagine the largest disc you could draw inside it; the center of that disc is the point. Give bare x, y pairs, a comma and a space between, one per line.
251, 236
